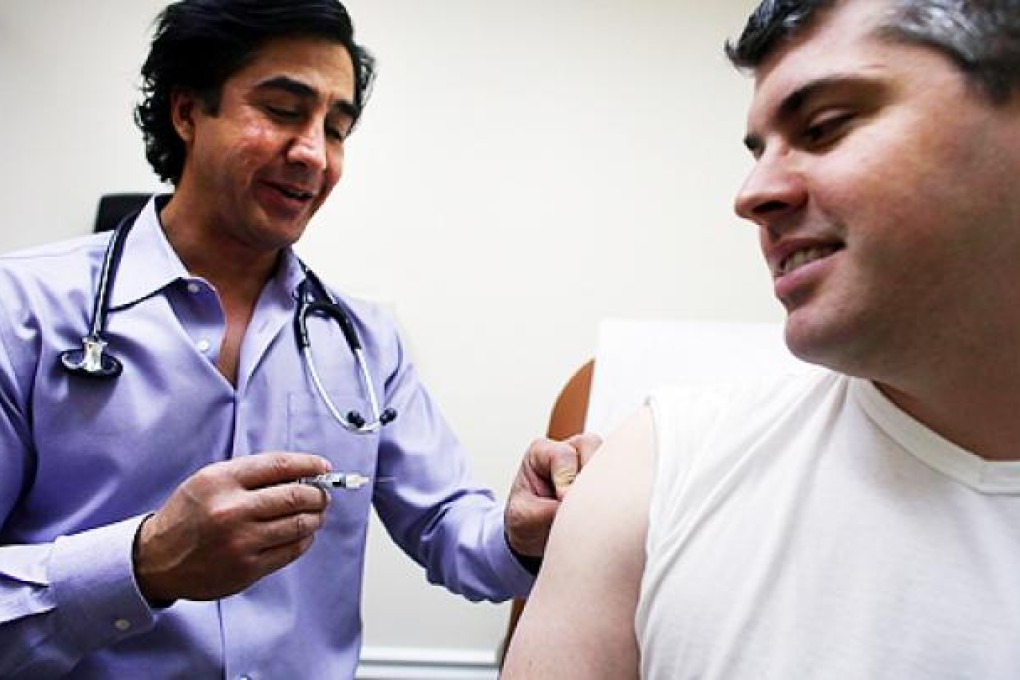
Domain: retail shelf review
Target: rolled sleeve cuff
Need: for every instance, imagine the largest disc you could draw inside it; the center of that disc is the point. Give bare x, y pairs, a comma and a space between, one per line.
93, 581
532, 564
518, 579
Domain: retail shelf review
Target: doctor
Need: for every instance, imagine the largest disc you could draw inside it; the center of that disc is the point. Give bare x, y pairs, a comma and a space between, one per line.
146, 518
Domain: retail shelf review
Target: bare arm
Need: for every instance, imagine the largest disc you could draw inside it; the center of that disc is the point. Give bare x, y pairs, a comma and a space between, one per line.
546, 474
579, 621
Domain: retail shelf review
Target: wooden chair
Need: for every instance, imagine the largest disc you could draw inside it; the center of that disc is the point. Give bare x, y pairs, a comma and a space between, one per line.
567, 419
568, 412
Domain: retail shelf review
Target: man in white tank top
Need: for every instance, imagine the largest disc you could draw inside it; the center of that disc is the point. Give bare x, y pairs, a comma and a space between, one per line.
861, 520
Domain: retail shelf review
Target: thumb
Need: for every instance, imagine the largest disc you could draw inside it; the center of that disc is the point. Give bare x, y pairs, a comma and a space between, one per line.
564, 468
585, 443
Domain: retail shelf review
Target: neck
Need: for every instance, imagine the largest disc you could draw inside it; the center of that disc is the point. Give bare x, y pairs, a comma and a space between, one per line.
237, 270
976, 409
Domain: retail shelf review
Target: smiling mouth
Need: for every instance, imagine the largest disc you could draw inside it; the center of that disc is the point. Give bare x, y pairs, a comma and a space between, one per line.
296, 194
804, 257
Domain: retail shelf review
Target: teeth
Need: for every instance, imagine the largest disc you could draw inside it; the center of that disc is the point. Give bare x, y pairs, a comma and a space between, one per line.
803, 257
302, 195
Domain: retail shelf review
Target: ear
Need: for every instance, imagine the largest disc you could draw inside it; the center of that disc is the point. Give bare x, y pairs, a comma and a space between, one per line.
183, 107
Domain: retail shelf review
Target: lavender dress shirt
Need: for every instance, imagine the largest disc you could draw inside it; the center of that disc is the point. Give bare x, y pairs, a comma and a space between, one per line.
83, 461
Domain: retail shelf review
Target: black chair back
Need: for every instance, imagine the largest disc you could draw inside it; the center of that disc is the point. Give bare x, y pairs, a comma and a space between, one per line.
114, 207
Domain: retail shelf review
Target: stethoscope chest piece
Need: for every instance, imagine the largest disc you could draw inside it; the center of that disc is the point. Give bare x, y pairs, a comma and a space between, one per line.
90, 361
313, 299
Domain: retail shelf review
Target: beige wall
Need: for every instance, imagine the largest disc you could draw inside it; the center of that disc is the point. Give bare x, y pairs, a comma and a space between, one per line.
523, 170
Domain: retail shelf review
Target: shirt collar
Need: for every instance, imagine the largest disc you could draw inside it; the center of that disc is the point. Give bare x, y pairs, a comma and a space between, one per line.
290, 272
149, 263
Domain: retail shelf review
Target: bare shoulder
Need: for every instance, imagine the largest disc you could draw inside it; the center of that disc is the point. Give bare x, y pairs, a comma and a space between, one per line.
579, 621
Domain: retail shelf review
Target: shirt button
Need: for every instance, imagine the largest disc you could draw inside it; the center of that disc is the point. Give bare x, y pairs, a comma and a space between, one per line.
203, 346
123, 625
193, 287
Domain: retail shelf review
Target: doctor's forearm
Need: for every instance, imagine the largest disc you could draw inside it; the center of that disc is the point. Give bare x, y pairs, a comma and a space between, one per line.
467, 553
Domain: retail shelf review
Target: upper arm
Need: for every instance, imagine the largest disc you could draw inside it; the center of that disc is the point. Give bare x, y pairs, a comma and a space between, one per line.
579, 620
15, 431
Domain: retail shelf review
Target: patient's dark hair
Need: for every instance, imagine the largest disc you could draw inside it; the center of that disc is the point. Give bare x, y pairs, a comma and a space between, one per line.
199, 44
981, 36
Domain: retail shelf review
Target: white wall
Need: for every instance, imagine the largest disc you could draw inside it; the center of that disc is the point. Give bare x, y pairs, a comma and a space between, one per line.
523, 170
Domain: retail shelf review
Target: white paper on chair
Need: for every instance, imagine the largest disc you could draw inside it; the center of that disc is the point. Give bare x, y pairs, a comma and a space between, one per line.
633, 357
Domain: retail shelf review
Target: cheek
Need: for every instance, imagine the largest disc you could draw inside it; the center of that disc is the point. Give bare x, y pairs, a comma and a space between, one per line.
334, 171
880, 188
336, 166
938, 174
763, 239
258, 144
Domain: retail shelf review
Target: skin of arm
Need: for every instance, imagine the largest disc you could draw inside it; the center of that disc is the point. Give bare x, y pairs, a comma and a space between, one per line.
579, 620
547, 471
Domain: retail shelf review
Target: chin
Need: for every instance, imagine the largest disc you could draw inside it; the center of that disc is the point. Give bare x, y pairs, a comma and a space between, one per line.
818, 343
281, 234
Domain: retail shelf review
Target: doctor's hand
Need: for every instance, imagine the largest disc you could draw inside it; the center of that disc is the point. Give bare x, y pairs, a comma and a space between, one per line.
228, 525
547, 471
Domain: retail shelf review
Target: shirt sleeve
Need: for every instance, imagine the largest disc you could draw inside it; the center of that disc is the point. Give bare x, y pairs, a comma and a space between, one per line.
59, 600
433, 510
62, 600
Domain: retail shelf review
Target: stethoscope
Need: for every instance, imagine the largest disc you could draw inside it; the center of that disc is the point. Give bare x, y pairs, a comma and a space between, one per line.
93, 361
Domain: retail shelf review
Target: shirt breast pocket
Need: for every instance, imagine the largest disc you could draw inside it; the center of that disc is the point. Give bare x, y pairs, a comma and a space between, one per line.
311, 428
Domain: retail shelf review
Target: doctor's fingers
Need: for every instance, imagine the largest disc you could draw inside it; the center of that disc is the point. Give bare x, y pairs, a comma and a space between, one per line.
240, 563
552, 464
285, 500
276, 467
291, 532
277, 557
586, 444
565, 467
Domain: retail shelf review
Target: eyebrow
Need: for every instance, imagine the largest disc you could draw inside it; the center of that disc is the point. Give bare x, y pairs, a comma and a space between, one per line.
793, 102
305, 91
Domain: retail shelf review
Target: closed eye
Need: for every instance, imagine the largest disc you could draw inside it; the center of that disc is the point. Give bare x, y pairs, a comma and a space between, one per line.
283, 113
826, 129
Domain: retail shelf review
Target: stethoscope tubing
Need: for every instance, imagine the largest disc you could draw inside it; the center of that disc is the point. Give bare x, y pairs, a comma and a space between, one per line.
92, 361
325, 305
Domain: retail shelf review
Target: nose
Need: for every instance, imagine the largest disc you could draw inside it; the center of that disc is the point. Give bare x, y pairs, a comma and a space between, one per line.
308, 149
773, 190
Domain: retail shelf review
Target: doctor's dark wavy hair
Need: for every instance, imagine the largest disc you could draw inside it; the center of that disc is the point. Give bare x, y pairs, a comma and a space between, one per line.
981, 36
199, 44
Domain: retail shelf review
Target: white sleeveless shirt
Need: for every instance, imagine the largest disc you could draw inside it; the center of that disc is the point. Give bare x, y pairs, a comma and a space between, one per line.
808, 528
